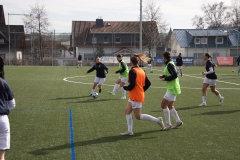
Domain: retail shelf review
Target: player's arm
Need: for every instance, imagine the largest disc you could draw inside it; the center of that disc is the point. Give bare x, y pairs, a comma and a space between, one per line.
172, 71
105, 67
132, 81
10, 97
123, 68
92, 69
147, 84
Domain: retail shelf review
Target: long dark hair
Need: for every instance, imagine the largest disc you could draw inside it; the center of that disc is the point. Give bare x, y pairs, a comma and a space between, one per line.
167, 55
209, 56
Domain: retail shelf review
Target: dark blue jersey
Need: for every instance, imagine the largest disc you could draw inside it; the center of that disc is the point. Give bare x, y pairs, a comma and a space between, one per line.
5, 96
79, 57
179, 61
100, 70
213, 75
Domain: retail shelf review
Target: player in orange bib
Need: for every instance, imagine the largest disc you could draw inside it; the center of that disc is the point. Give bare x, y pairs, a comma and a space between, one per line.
138, 84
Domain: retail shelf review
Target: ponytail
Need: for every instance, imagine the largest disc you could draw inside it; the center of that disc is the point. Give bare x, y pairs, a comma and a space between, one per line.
209, 56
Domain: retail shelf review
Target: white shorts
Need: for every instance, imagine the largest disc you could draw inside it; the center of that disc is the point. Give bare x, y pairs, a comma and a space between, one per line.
4, 133
149, 65
211, 82
99, 81
179, 67
135, 105
79, 61
124, 80
170, 97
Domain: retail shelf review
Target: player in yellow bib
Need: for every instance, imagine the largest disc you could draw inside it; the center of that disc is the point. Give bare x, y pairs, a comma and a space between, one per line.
122, 79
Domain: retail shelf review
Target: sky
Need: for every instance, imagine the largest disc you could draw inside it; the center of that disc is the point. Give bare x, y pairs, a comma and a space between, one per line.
177, 13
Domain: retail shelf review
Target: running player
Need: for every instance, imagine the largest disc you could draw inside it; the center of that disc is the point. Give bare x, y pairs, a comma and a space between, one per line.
138, 84
173, 89
238, 63
7, 102
101, 71
209, 80
123, 71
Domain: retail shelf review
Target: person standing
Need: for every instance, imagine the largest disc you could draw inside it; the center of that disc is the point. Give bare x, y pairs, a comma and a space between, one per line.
179, 63
101, 71
79, 60
123, 71
138, 84
209, 80
238, 63
7, 102
173, 89
150, 63
2, 68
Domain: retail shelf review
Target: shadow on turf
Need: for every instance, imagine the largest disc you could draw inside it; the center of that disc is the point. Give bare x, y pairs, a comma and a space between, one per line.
186, 108
108, 139
65, 98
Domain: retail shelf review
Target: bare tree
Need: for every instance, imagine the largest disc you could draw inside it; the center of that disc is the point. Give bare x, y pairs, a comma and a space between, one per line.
214, 15
37, 20
154, 24
235, 18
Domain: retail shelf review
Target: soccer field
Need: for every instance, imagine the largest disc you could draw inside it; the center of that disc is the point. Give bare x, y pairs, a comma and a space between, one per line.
55, 118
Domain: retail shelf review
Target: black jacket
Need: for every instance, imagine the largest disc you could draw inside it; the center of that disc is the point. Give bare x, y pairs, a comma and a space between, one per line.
5, 95
179, 61
100, 70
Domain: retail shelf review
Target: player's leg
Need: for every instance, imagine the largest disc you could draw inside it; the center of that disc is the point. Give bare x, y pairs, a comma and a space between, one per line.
129, 119
204, 91
123, 81
181, 71
96, 81
115, 88
4, 135
81, 64
151, 68
166, 112
100, 83
175, 115
217, 93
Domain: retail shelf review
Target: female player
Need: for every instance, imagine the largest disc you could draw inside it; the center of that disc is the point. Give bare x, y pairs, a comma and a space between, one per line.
138, 84
179, 63
7, 102
101, 71
123, 71
173, 89
209, 80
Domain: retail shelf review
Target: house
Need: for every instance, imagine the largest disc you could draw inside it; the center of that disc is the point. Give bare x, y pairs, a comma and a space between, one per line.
117, 37
195, 42
11, 45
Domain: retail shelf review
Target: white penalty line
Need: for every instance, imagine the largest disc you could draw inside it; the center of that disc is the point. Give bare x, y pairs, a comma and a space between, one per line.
66, 80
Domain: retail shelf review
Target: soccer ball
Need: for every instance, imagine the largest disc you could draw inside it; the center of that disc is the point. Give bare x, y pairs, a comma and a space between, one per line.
94, 95
233, 71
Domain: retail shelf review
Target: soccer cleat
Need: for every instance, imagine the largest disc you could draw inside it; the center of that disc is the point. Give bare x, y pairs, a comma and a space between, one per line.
202, 104
127, 133
111, 93
167, 127
123, 98
91, 94
178, 124
100, 90
160, 122
221, 101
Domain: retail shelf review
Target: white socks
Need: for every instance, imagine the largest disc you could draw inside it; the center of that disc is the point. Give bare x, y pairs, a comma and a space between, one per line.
148, 117
219, 96
123, 92
166, 113
175, 114
129, 122
92, 91
204, 98
115, 88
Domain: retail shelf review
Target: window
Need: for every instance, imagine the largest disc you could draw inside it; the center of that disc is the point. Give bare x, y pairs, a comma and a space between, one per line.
219, 40
105, 40
203, 40
118, 40
94, 40
197, 40
198, 56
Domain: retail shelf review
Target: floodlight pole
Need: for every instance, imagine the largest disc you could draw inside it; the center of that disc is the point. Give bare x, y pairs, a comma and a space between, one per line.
140, 45
8, 41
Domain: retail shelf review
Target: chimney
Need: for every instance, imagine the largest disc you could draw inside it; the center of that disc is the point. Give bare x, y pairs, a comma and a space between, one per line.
99, 23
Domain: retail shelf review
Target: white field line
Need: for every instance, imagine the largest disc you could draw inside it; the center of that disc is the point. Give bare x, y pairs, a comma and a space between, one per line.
67, 80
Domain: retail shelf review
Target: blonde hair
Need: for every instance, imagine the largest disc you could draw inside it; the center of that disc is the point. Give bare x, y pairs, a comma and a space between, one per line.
137, 57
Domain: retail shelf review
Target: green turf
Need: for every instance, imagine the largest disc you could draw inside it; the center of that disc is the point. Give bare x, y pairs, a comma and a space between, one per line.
40, 122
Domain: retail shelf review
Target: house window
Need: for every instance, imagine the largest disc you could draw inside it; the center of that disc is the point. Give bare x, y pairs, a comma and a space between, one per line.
203, 40
118, 40
197, 40
94, 40
105, 39
219, 40
1, 41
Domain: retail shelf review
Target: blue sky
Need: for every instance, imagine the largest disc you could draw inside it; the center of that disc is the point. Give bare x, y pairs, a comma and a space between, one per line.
177, 13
